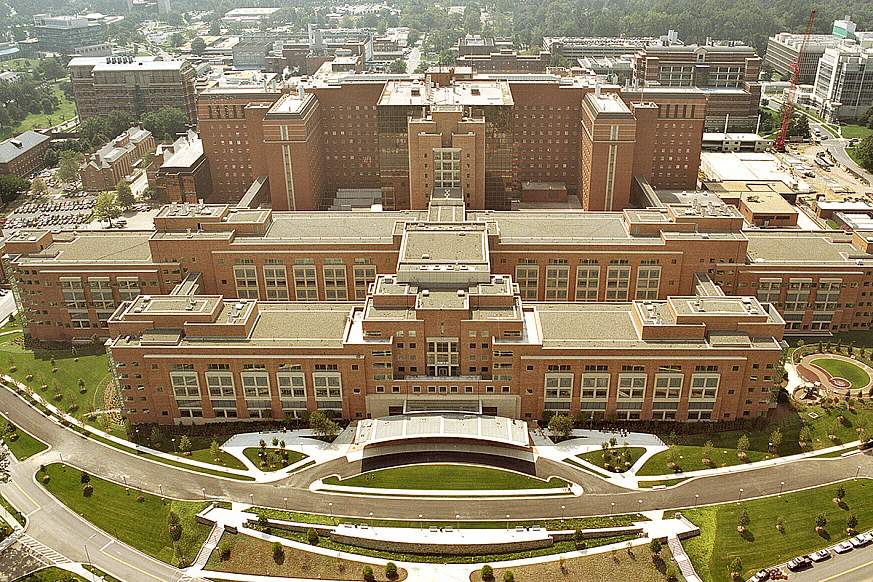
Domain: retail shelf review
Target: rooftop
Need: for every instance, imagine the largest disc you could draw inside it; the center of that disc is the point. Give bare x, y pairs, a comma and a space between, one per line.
15, 146
803, 248
414, 92
95, 247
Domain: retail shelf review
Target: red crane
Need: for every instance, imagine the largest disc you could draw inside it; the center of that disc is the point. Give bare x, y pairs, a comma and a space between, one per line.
788, 108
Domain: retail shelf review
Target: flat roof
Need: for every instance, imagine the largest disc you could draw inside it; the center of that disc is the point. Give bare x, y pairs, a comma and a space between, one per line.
607, 103
563, 227
802, 247
301, 324
335, 227
96, 247
441, 425
416, 92
9, 148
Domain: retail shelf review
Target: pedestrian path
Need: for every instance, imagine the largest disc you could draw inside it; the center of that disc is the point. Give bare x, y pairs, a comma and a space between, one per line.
682, 560
43, 551
209, 545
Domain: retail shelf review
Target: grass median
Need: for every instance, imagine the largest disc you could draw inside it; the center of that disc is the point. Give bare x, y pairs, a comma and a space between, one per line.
20, 443
136, 518
446, 477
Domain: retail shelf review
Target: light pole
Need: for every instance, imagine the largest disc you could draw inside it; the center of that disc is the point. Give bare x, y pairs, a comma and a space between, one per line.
285, 502
420, 521
330, 507
562, 512
252, 498
507, 522
781, 485
161, 489
124, 478
612, 506
740, 495
858, 473
458, 520
697, 499
203, 491
87, 556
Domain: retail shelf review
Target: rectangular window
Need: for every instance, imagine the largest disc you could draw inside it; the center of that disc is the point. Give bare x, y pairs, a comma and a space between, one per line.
648, 282
305, 283
256, 384
587, 282
335, 288
364, 276
557, 282
617, 282
446, 168
527, 276
276, 283
668, 386
246, 277
704, 387
128, 288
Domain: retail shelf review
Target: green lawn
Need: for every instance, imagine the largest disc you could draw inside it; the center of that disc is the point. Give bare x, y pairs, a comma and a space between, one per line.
14, 512
23, 446
445, 476
19, 64
88, 363
52, 574
763, 545
843, 369
619, 455
200, 452
66, 110
142, 525
291, 457
851, 131
789, 420
94, 570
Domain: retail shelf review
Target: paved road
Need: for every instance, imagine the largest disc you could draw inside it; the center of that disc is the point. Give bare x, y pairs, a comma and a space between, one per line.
65, 533
856, 566
600, 497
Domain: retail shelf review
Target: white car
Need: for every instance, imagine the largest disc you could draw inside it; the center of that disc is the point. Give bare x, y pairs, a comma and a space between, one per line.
859, 541
843, 547
820, 555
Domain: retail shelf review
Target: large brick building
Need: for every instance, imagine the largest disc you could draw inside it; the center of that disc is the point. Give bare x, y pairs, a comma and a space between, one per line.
116, 160
137, 85
23, 154
361, 132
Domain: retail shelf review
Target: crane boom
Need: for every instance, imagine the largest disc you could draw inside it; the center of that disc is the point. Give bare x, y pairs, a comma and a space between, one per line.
788, 107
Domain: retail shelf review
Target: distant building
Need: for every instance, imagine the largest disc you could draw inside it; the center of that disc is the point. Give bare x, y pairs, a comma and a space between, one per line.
727, 73
505, 61
115, 160
182, 174
134, 84
23, 154
783, 48
572, 48
165, 6
474, 44
248, 15
844, 82
9, 51
69, 34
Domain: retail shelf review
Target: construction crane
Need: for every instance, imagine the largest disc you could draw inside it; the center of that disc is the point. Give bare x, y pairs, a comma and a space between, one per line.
788, 107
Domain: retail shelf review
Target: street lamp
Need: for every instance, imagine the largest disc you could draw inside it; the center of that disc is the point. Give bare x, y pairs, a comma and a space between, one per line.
252, 498
161, 489
740, 495
458, 520
420, 522
562, 512
612, 505
858, 472
203, 491
697, 499
285, 502
781, 485
329, 506
507, 522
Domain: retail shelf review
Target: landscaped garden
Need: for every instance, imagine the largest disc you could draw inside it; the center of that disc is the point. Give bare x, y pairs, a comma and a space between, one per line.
19, 443
613, 458
769, 531
242, 554
164, 529
445, 476
838, 368
272, 458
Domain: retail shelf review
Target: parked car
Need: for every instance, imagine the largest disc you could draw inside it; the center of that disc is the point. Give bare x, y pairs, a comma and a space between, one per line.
859, 541
799, 563
843, 547
820, 555
761, 576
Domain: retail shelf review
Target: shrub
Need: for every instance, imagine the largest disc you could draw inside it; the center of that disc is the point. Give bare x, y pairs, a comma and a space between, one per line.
87, 490
278, 551
85, 478
263, 522
736, 568
45, 479
140, 498
173, 526
367, 573
391, 570
312, 537
655, 547
487, 573
672, 573
224, 551
508, 576
852, 521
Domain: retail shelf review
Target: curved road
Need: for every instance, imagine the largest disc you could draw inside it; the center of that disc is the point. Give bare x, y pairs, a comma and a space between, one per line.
598, 498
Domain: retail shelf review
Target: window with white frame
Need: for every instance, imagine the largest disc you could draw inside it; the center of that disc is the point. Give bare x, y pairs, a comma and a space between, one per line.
827, 296
558, 391
595, 393
648, 282
246, 277
334, 274
769, 290
704, 387
527, 275
446, 168
668, 387
292, 385
557, 280
74, 294
305, 282
364, 274
617, 282
128, 288
587, 281
276, 282
327, 385
255, 383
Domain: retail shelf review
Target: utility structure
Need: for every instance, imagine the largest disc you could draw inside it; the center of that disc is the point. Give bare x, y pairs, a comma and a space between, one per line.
788, 107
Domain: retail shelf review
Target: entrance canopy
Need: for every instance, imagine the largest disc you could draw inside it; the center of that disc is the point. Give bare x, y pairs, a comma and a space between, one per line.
446, 425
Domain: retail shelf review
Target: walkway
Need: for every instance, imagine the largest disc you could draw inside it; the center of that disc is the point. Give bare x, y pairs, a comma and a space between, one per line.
682, 560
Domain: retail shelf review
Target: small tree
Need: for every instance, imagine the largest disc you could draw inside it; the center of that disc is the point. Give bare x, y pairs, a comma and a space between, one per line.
85, 478
672, 572
312, 537
561, 425
156, 437
68, 166
367, 573
579, 538
124, 195
805, 436
38, 187
215, 450
851, 522
322, 425
743, 445
184, 444
174, 526
106, 207
707, 452
743, 521
820, 522
776, 440
736, 568
278, 552
780, 524
391, 570
840, 492
655, 547
223, 551
487, 573
508, 576
82, 388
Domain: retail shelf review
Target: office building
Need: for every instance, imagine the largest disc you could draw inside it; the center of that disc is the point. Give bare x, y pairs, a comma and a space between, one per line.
23, 154
182, 172
69, 35
844, 83
572, 48
115, 161
134, 84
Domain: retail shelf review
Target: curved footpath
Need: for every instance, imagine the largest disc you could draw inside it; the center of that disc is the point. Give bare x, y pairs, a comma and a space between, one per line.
600, 497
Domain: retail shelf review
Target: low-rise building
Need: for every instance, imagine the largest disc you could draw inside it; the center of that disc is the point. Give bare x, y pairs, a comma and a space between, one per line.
23, 154
109, 165
183, 173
